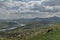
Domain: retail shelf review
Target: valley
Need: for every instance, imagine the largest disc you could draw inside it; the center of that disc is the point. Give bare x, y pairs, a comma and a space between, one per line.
26, 30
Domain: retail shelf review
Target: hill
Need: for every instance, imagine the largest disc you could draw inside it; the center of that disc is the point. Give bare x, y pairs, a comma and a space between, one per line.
51, 19
48, 36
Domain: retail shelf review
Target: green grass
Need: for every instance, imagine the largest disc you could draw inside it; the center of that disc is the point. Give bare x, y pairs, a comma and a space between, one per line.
48, 36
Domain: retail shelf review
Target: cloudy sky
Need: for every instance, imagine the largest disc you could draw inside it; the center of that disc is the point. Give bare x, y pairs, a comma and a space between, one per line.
14, 9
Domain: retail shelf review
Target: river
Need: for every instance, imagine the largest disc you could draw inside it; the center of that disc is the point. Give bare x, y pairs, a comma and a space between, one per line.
8, 29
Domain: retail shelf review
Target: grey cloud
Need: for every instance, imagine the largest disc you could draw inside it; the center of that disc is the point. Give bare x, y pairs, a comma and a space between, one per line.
26, 0
31, 9
51, 2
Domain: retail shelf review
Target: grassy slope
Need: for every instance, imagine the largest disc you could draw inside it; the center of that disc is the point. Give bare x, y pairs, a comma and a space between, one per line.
48, 36
19, 34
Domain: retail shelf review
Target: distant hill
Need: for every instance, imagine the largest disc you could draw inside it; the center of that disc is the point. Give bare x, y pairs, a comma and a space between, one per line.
23, 20
51, 19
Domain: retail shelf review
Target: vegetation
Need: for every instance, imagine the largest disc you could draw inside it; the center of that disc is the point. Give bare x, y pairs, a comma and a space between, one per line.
48, 36
31, 31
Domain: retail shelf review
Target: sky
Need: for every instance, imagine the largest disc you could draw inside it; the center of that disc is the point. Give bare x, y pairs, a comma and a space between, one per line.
15, 9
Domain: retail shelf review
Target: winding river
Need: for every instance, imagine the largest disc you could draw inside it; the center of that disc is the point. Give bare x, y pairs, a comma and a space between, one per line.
8, 29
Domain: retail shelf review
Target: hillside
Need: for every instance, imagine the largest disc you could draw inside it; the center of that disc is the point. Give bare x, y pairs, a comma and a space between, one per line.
48, 36
31, 31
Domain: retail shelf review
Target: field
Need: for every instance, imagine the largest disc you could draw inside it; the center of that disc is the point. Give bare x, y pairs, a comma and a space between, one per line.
30, 31
48, 36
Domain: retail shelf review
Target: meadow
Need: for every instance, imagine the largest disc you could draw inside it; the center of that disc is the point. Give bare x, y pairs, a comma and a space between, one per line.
31, 31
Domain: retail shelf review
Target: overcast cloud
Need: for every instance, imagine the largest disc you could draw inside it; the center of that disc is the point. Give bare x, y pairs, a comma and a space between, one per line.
14, 9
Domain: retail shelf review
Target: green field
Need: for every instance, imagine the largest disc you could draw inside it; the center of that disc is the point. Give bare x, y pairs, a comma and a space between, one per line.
31, 31
48, 36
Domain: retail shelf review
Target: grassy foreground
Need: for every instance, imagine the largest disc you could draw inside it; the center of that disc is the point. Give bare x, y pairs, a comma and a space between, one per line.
53, 35
48, 36
31, 31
